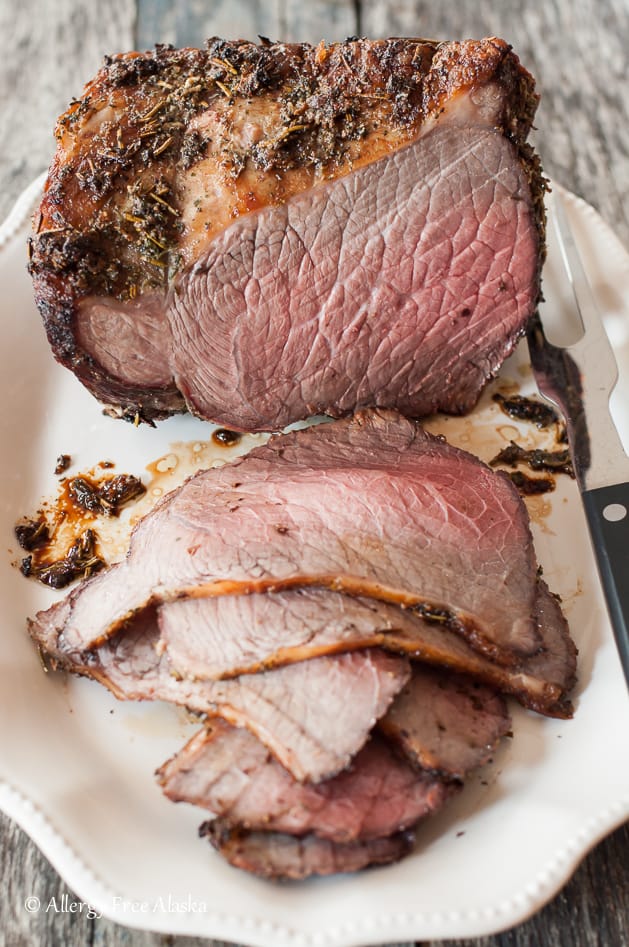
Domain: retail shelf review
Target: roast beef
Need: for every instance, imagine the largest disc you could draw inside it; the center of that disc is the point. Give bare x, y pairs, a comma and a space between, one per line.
229, 772
371, 505
314, 716
446, 723
228, 635
260, 233
275, 855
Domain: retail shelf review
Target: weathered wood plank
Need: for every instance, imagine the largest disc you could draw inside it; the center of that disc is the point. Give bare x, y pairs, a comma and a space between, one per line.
50, 50
25, 873
191, 23
312, 21
589, 912
288, 20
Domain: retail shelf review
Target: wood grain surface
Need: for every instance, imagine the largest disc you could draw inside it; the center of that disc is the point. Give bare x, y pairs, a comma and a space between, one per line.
578, 52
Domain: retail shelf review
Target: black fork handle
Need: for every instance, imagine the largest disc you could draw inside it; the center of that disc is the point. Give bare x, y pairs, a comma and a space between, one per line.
607, 511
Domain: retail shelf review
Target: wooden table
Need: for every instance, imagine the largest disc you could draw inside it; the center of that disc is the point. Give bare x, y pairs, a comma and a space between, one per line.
577, 51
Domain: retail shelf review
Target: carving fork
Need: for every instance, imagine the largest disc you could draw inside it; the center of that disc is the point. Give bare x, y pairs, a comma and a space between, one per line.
579, 379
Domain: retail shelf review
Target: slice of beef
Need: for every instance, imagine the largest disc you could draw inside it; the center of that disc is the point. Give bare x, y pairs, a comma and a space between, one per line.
314, 716
278, 856
371, 290
542, 681
371, 505
556, 661
446, 723
260, 233
228, 635
228, 771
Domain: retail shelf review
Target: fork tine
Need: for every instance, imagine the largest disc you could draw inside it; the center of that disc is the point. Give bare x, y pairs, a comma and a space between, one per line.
594, 338
580, 377
571, 256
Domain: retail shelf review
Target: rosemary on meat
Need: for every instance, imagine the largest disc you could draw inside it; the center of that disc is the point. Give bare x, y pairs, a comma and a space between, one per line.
107, 497
527, 409
80, 561
537, 459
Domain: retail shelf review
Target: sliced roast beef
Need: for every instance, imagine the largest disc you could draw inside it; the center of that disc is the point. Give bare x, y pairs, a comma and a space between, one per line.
228, 771
228, 635
372, 505
277, 856
314, 716
370, 290
260, 233
446, 723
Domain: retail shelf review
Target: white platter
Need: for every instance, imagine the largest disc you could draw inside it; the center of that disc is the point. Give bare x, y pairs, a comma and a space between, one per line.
76, 766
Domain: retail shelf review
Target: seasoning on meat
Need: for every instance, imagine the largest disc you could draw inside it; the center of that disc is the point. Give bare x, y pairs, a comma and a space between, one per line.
239, 231
531, 486
537, 459
107, 496
527, 409
80, 561
63, 462
32, 533
62, 548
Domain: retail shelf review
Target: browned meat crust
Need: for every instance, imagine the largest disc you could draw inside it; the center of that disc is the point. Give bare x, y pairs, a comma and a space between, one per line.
277, 856
271, 119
